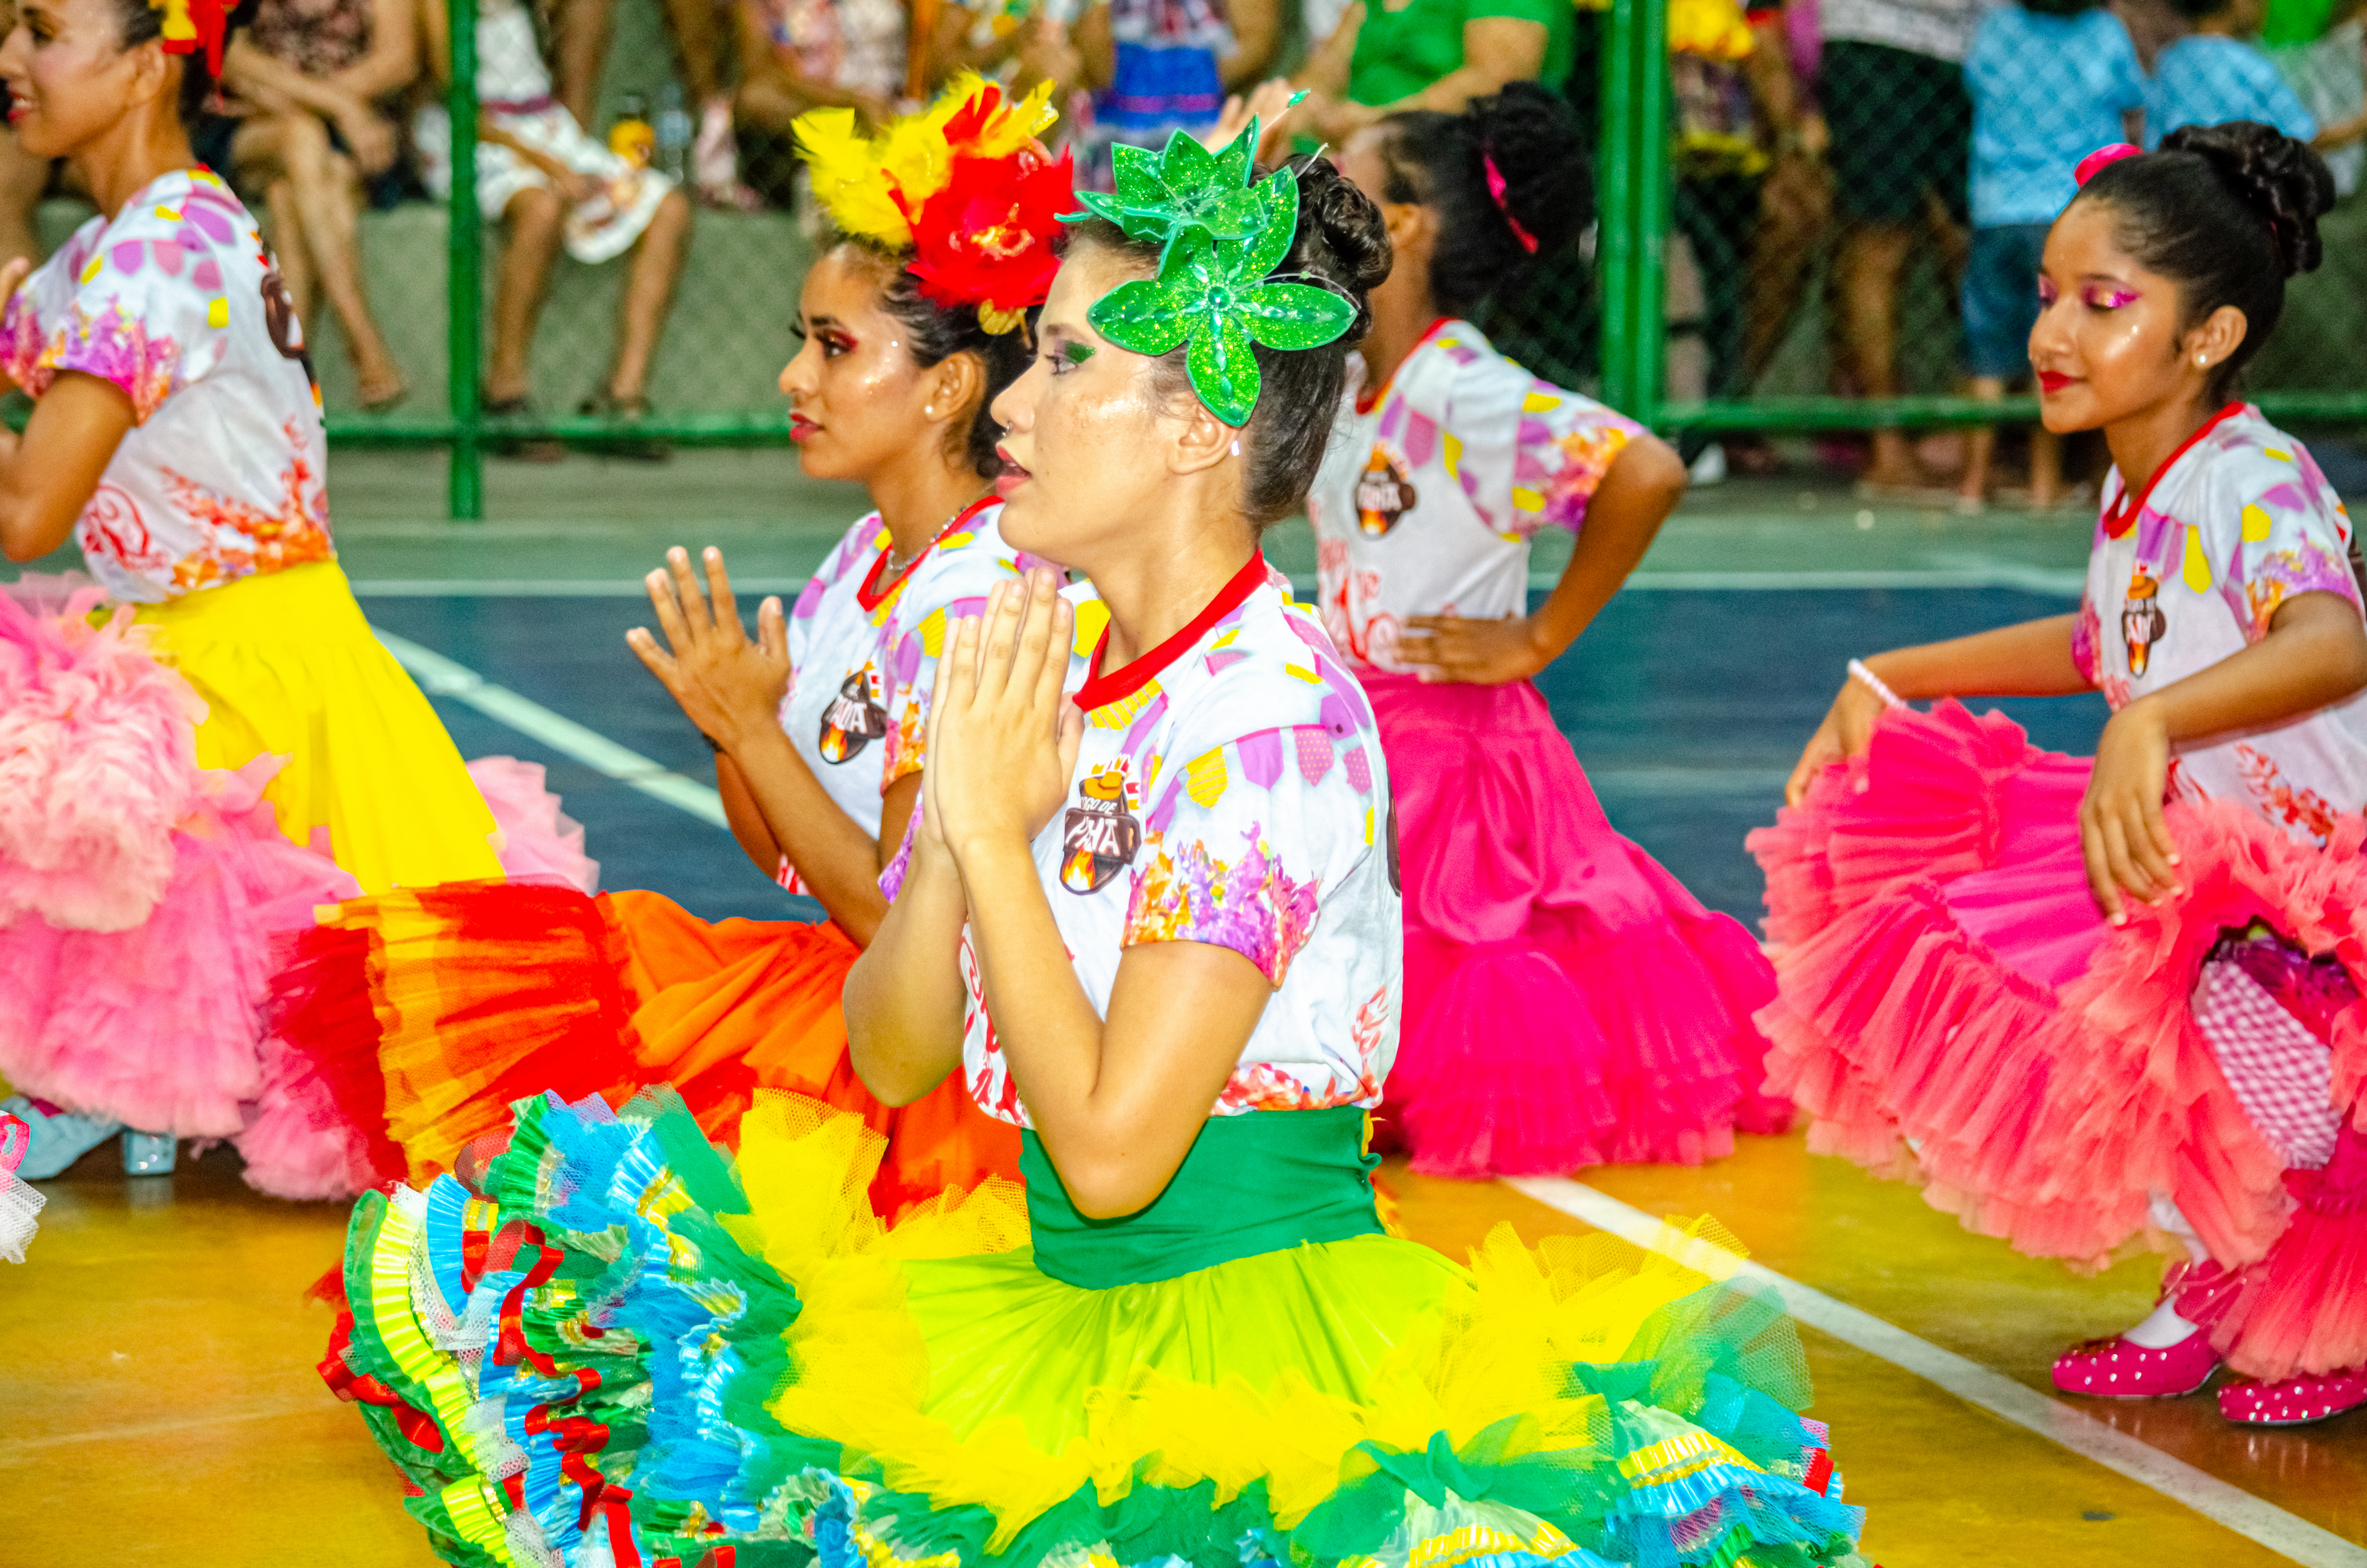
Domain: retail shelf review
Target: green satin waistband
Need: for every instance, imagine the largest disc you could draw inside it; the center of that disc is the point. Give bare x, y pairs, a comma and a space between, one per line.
1259, 1182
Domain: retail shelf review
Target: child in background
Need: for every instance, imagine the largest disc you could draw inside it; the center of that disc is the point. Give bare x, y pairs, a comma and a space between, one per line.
1567, 1002
2091, 1004
2216, 74
2051, 80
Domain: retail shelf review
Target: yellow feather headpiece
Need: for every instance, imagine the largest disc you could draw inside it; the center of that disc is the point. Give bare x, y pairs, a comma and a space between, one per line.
869, 184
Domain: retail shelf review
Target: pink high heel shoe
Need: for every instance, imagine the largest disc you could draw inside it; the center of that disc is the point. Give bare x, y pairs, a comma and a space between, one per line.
2294, 1401
2116, 1368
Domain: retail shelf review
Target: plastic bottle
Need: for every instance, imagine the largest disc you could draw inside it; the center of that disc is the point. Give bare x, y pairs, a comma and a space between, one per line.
675, 132
631, 137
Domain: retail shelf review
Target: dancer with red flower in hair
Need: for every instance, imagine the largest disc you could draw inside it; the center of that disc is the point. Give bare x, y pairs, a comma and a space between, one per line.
912, 320
2092, 1003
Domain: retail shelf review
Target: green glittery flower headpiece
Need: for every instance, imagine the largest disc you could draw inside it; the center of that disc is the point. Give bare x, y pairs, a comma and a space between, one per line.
1222, 234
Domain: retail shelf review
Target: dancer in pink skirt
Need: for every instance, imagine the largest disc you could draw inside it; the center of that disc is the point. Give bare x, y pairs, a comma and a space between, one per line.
1567, 1002
2097, 1004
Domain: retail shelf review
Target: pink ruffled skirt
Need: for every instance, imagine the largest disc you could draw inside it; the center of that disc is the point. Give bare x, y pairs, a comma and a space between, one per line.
1954, 1010
1567, 1002
148, 903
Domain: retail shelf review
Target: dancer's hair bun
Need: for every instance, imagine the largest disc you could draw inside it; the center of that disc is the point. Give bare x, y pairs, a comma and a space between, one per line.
2283, 180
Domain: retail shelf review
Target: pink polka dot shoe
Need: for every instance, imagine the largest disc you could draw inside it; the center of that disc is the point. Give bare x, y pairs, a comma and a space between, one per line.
2294, 1401
2116, 1369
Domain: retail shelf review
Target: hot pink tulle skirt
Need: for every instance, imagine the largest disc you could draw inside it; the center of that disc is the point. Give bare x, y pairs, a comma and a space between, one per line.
1972, 1023
146, 904
1567, 1002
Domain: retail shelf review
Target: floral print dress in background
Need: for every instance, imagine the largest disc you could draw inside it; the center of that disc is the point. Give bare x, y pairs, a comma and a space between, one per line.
175, 300
2191, 571
1430, 495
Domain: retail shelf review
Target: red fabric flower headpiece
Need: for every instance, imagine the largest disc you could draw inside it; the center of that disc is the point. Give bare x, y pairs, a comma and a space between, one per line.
964, 185
191, 24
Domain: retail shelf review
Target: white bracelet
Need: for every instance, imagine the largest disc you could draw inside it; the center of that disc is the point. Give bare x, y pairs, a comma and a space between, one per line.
1873, 683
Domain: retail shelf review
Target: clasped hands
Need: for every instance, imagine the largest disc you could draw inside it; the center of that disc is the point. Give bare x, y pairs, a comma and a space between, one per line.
1003, 735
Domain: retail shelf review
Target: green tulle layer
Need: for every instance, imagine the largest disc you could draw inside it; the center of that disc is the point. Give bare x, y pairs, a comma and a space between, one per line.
633, 1345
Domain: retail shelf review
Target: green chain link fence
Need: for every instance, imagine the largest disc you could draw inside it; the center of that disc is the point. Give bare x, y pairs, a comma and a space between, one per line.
1711, 296
1704, 300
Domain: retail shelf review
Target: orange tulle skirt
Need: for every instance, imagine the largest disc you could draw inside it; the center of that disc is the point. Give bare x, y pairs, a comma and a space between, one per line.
469, 997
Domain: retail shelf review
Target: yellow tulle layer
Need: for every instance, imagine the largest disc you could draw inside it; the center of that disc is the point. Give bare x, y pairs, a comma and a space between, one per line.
936, 1353
288, 666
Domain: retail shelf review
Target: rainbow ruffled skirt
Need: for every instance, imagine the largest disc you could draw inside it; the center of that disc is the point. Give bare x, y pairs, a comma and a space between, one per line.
631, 1349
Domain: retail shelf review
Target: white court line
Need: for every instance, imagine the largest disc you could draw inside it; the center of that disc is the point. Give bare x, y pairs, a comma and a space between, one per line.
1975, 1384
440, 677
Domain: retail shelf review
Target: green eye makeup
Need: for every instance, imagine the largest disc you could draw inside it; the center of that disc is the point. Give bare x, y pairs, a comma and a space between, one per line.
1076, 353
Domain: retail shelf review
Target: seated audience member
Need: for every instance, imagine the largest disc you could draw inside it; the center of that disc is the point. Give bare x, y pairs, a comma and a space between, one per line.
548, 184
580, 33
2216, 73
2051, 81
303, 127
797, 55
1161, 66
1428, 54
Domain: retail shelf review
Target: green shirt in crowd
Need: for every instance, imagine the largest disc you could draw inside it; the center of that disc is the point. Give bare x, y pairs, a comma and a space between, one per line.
1398, 53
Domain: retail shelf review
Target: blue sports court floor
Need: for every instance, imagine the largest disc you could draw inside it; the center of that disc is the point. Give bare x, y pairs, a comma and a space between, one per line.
156, 1397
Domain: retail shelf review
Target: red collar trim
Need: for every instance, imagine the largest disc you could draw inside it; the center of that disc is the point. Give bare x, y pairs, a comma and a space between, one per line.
1101, 690
2123, 515
1370, 398
873, 590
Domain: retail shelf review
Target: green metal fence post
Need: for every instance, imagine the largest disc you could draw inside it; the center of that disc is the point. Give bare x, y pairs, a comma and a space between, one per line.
465, 245
1648, 187
1615, 204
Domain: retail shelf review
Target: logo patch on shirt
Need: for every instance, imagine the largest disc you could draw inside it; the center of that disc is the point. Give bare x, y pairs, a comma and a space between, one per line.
853, 720
1100, 836
2141, 619
1384, 493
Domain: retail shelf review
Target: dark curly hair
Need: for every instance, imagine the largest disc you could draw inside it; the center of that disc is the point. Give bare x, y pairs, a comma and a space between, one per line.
1440, 161
139, 22
2228, 212
1342, 244
935, 333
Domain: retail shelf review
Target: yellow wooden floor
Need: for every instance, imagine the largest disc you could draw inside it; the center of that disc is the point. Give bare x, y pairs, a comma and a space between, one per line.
158, 1404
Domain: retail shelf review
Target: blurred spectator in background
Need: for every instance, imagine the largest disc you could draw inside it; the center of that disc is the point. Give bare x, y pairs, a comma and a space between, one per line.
2216, 74
1893, 93
549, 184
2051, 81
1428, 54
797, 55
2328, 73
1741, 155
1161, 66
580, 32
303, 125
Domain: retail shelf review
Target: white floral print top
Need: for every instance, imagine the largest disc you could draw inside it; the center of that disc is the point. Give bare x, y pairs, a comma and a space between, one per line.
1432, 489
176, 301
863, 654
1230, 790
2182, 576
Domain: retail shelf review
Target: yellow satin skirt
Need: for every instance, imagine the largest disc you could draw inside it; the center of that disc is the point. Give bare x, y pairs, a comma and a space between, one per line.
287, 665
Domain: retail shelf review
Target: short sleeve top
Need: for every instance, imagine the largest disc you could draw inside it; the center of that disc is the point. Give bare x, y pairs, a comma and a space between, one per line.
1230, 790
2205, 80
2185, 575
1430, 492
2046, 92
175, 300
862, 654
1400, 52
